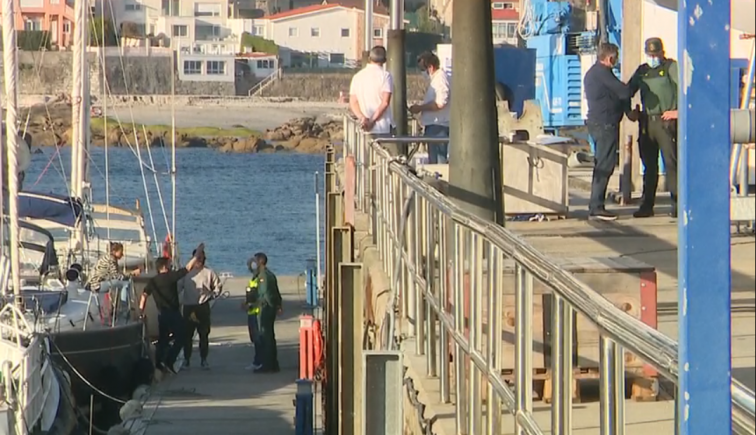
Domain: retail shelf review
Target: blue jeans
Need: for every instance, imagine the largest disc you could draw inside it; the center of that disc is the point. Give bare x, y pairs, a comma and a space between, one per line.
253, 326
437, 153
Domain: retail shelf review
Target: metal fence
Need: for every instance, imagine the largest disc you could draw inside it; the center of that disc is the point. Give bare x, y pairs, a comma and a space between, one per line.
433, 251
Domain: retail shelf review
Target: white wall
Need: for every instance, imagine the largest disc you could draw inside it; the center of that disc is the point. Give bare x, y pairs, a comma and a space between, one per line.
329, 23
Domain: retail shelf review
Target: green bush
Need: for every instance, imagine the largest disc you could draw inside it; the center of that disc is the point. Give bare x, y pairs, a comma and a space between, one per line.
427, 25
258, 44
33, 40
131, 30
96, 27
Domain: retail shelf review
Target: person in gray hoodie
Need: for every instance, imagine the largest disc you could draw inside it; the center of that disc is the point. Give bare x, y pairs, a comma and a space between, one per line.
196, 290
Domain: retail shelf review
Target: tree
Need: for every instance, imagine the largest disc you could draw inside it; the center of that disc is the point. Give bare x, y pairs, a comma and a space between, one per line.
258, 44
33, 40
96, 27
428, 24
131, 30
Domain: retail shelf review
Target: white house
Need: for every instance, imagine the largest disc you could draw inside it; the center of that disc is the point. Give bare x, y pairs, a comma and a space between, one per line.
327, 35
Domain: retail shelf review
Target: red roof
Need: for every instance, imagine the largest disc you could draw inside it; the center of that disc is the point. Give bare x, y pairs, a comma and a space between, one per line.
302, 10
505, 15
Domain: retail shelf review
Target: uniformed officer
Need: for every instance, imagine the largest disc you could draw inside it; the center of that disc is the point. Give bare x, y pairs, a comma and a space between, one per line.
270, 307
657, 82
252, 305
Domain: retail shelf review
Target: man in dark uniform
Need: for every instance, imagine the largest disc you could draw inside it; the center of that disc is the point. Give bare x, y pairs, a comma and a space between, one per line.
607, 99
657, 82
270, 307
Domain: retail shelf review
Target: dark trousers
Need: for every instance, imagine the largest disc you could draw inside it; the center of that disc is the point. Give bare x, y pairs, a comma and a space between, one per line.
253, 326
658, 135
268, 337
201, 324
169, 322
606, 137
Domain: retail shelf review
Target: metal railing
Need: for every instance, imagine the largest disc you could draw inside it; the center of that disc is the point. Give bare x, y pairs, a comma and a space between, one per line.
434, 253
263, 84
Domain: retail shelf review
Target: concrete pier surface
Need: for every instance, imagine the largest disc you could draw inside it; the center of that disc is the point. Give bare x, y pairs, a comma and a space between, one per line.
652, 241
227, 399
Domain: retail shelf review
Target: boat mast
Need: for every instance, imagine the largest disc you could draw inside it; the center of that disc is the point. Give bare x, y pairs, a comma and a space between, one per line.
78, 103
10, 65
104, 96
174, 254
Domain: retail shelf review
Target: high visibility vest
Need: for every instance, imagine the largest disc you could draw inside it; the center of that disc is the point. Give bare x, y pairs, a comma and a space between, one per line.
255, 309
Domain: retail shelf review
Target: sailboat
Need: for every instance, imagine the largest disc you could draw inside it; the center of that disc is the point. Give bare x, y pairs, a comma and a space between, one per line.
96, 339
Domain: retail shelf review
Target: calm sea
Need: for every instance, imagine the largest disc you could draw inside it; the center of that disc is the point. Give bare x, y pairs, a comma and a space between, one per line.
237, 204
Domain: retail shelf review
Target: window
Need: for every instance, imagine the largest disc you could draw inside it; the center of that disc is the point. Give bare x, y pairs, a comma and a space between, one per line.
33, 24
504, 30
206, 32
315, 32
377, 33
258, 31
266, 64
345, 33
180, 30
170, 8
207, 9
336, 59
192, 67
216, 67
133, 7
66, 27
502, 5
293, 31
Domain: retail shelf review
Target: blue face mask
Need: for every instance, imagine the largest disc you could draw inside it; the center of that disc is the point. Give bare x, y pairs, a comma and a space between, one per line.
653, 61
253, 267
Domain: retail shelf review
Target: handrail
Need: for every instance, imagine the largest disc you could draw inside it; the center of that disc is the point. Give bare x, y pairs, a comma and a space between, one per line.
393, 180
259, 86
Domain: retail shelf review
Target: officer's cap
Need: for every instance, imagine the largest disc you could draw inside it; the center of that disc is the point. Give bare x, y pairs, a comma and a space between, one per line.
654, 46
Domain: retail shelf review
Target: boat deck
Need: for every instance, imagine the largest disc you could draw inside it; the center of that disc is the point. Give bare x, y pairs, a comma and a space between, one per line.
227, 399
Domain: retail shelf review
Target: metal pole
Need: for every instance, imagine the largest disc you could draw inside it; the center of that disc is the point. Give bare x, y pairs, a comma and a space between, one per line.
704, 224
612, 378
398, 68
350, 336
474, 167
368, 24
737, 149
318, 258
104, 95
523, 344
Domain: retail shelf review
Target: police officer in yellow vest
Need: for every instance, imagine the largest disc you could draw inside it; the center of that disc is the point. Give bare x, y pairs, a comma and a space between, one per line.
252, 305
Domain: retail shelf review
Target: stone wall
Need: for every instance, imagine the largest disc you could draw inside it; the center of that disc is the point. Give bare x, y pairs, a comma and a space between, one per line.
50, 73
327, 85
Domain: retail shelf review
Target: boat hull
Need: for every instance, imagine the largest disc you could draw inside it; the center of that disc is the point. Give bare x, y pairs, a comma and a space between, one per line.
108, 358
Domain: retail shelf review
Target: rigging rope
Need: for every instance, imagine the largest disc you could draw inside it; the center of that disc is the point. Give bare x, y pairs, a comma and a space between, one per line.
157, 185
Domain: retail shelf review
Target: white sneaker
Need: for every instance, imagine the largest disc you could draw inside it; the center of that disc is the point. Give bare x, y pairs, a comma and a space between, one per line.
253, 367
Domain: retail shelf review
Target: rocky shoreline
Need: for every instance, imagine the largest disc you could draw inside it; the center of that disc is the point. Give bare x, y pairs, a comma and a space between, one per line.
50, 125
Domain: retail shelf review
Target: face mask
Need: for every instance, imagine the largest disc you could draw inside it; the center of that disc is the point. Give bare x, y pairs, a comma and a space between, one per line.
253, 267
653, 61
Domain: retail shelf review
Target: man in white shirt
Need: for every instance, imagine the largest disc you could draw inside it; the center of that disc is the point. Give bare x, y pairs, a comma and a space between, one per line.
370, 94
434, 112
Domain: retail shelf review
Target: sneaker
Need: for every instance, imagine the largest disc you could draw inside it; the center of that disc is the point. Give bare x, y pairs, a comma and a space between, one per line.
253, 367
186, 365
205, 365
644, 212
171, 369
602, 215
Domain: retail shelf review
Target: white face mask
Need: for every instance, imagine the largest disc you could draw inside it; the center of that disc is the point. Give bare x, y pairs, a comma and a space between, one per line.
653, 61
426, 75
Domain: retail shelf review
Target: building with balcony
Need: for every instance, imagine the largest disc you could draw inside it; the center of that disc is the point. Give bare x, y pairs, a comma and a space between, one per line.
505, 17
53, 16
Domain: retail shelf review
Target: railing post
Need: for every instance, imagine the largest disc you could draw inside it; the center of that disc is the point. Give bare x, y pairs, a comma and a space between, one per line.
460, 358
561, 367
495, 310
383, 390
523, 344
475, 321
612, 376
445, 293
350, 336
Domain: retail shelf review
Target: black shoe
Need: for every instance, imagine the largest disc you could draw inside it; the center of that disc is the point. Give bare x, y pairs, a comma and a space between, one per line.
170, 369
205, 365
267, 370
644, 212
602, 215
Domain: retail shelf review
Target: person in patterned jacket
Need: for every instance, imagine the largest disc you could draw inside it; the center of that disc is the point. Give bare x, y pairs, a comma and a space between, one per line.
107, 277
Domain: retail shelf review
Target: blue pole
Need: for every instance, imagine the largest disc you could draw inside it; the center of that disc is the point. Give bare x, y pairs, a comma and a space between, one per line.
304, 408
704, 223
311, 283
